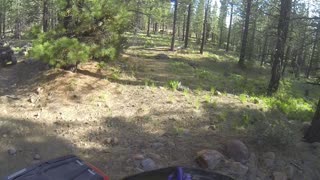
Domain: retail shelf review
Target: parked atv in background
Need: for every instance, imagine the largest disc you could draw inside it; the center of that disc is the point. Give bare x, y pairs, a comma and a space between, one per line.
7, 55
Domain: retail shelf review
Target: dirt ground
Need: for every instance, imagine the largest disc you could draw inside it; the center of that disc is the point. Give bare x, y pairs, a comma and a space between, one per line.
52, 113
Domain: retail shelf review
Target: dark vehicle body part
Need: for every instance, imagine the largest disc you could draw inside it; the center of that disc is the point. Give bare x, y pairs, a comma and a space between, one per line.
6, 56
73, 168
63, 168
178, 173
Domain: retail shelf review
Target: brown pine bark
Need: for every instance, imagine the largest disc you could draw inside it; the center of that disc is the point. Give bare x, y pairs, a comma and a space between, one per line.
186, 40
245, 35
283, 28
313, 51
313, 133
45, 16
174, 25
149, 24
229, 33
204, 30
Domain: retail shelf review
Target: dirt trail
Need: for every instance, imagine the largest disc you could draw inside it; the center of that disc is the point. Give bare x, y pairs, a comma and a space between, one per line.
7, 78
14, 78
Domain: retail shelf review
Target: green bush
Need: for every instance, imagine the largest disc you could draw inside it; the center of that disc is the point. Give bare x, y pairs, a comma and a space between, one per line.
174, 84
203, 74
61, 52
149, 44
294, 108
274, 132
94, 31
243, 98
33, 32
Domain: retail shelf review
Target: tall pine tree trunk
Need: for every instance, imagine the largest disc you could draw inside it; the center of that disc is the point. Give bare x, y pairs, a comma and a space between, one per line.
156, 28
68, 18
312, 58
45, 16
245, 35
183, 27
174, 24
204, 28
283, 28
313, 133
252, 40
230, 24
186, 40
264, 49
286, 59
0, 20
4, 18
149, 24
179, 31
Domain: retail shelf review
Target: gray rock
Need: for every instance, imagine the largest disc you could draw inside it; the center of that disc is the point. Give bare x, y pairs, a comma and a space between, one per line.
108, 140
217, 93
115, 141
279, 176
269, 159
237, 150
162, 56
36, 157
305, 127
138, 157
154, 156
171, 144
303, 146
261, 174
209, 158
4, 99
182, 88
33, 99
148, 164
252, 165
237, 169
315, 145
39, 90
12, 151
290, 170
157, 145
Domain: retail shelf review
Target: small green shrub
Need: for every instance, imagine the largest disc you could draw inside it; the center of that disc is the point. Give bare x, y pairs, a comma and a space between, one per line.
207, 98
294, 108
186, 93
243, 98
60, 52
245, 120
203, 74
198, 91
197, 103
274, 132
173, 85
149, 82
222, 116
212, 90
102, 65
33, 32
178, 66
149, 44
116, 73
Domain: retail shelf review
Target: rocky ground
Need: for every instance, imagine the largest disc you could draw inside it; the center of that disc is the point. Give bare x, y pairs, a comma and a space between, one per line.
125, 127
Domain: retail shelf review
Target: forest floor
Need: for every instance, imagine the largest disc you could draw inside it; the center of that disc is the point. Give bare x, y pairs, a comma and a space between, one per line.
113, 115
